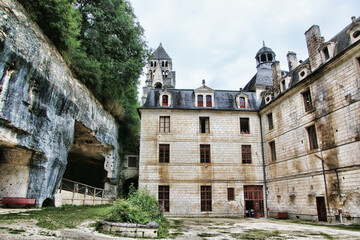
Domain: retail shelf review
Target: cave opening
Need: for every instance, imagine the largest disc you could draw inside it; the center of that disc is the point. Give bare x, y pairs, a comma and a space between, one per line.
85, 159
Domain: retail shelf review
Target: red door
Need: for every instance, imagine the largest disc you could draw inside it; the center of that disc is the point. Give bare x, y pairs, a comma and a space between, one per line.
254, 201
321, 209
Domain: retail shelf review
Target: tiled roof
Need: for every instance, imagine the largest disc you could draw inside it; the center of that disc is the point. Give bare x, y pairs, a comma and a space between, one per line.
160, 53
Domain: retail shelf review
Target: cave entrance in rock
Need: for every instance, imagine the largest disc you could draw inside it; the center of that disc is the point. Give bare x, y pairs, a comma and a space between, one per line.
15, 166
85, 159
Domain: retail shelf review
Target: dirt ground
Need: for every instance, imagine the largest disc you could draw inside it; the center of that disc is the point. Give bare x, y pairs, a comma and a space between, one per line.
189, 228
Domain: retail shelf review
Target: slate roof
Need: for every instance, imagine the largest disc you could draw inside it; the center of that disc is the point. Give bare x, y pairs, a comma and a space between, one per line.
185, 99
160, 53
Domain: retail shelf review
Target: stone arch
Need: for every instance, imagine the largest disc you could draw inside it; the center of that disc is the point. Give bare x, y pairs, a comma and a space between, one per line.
126, 185
48, 202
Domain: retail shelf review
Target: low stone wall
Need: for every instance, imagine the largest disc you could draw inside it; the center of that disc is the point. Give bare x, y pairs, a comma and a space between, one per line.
131, 229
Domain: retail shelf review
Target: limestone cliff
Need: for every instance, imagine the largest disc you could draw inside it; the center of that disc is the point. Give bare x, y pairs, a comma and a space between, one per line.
45, 114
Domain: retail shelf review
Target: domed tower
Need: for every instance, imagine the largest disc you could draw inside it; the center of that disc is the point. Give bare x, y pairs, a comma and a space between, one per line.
159, 72
263, 79
265, 57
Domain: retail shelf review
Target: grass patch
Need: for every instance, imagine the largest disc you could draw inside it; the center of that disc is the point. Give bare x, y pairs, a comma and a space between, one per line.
257, 234
16, 231
325, 235
203, 235
67, 216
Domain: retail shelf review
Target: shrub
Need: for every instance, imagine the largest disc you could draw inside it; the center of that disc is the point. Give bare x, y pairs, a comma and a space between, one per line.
124, 211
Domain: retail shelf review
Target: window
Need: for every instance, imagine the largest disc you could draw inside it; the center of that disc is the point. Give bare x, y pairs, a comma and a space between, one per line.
200, 100
164, 197
164, 153
326, 53
244, 126
283, 84
164, 124
263, 57
270, 58
246, 154
204, 153
132, 161
204, 125
206, 199
165, 100
242, 102
307, 101
163, 63
270, 121
272, 151
312, 137
208, 101
230, 194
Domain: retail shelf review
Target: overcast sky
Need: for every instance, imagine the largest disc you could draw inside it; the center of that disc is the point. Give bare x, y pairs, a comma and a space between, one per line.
218, 40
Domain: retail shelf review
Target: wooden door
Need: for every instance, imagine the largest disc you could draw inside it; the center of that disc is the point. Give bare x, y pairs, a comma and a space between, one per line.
321, 209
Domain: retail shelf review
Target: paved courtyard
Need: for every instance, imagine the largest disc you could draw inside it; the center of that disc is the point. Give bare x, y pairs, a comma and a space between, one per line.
190, 228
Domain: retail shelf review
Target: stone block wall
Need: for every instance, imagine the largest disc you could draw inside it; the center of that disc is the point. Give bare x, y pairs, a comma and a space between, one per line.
185, 174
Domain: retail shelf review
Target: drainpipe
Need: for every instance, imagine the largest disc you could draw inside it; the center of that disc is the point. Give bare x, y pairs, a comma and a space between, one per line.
263, 160
326, 191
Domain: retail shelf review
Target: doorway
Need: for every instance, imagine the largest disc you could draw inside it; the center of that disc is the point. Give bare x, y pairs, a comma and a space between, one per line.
321, 209
254, 201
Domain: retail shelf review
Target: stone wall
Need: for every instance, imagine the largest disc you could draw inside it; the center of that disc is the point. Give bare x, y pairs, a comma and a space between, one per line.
40, 104
185, 174
296, 178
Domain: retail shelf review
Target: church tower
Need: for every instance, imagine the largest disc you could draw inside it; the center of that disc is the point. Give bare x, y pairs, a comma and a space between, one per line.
159, 73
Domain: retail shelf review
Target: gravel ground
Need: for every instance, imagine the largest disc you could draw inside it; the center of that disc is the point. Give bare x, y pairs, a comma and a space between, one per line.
189, 228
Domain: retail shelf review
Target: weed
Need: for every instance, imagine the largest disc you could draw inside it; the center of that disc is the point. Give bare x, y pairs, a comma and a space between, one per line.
16, 231
208, 235
257, 234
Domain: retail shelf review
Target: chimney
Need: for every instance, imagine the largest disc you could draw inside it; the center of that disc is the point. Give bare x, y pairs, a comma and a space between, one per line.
313, 41
276, 74
292, 60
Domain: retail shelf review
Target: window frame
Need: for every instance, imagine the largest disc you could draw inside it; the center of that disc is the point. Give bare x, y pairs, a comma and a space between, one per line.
205, 153
206, 198
247, 129
308, 104
164, 124
272, 148
133, 161
231, 194
164, 197
165, 100
312, 136
246, 154
208, 100
270, 121
204, 124
164, 153
200, 100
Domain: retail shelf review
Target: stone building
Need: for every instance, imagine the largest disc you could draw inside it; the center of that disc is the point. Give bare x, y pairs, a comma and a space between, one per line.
288, 142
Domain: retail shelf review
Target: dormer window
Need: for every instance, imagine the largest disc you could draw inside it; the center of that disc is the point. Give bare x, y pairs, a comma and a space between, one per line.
242, 101
208, 101
303, 71
327, 50
200, 101
165, 100
354, 31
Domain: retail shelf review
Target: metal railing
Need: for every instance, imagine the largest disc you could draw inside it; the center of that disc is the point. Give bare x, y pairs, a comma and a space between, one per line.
86, 190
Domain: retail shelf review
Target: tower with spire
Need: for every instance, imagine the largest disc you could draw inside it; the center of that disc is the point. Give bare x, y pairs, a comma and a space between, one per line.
159, 73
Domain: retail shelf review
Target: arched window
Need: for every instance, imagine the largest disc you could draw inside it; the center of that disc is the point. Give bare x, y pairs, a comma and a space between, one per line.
269, 56
242, 102
200, 100
165, 100
151, 63
166, 63
263, 57
208, 101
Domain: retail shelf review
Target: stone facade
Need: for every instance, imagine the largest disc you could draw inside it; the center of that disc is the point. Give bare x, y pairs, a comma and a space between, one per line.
302, 126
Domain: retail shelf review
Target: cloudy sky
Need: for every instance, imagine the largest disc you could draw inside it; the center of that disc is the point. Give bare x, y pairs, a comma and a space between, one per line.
218, 40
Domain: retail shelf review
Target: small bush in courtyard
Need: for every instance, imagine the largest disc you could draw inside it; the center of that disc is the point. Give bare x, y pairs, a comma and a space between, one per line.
139, 207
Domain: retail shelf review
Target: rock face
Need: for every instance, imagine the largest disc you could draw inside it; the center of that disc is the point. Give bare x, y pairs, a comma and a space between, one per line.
46, 115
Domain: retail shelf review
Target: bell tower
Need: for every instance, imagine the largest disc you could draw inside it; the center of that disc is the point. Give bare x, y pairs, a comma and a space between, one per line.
159, 73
